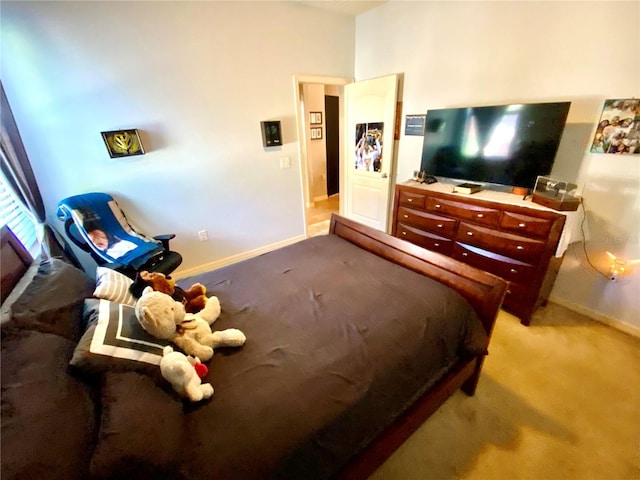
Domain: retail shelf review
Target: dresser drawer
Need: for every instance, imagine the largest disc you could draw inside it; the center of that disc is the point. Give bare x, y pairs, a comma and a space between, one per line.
483, 215
424, 239
411, 199
502, 237
505, 267
525, 224
517, 292
443, 226
517, 297
508, 244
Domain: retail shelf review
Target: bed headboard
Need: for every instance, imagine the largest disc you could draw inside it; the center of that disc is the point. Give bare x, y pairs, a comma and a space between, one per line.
484, 291
15, 261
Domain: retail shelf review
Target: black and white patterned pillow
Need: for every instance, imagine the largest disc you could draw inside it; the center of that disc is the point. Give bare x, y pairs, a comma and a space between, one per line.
114, 340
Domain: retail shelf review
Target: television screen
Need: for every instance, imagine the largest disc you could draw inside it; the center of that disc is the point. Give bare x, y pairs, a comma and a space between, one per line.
505, 145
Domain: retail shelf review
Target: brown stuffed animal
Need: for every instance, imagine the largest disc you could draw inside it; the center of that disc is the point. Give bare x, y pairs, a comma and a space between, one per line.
194, 299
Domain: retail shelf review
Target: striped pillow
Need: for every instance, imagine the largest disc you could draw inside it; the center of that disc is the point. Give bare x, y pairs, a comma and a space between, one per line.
113, 286
115, 341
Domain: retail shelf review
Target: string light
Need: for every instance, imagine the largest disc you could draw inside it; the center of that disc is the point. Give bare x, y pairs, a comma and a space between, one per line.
619, 266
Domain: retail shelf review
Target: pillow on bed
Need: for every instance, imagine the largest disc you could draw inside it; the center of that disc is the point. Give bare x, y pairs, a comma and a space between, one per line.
20, 287
52, 301
113, 286
115, 341
141, 430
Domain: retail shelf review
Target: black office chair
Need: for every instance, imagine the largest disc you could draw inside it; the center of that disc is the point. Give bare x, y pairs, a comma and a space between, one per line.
96, 224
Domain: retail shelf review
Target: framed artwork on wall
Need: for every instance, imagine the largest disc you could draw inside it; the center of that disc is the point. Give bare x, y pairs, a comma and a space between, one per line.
123, 143
271, 133
315, 118
414, 125
619, 127
316, 133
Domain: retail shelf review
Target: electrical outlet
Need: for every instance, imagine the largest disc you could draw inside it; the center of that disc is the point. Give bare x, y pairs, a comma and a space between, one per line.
203, 236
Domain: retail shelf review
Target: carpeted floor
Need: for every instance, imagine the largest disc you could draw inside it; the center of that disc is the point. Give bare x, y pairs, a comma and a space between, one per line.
557, 400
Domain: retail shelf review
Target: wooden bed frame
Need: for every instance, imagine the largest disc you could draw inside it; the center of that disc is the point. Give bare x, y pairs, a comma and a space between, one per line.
484, 291
15, 261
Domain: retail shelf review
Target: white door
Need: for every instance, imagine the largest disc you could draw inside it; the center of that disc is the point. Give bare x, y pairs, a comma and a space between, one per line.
369, 165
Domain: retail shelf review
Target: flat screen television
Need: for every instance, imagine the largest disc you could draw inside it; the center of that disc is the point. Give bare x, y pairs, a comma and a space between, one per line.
505, 145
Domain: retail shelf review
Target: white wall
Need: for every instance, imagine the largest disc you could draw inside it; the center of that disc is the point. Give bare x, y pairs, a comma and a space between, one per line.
196, 78
482, 53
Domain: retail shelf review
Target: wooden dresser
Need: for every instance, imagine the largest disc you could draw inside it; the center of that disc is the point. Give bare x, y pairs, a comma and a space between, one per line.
515, 242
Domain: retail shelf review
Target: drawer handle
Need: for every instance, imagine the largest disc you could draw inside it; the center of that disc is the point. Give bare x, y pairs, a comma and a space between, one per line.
470, 234
439, 225
480, 215
406, 216
465, 254
519, 247
508, 292
437, 205
513, 270
404, 233
436, 244
522, 225
410, 200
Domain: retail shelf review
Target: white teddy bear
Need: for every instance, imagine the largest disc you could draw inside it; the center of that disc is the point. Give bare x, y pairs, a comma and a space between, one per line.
182, 373
163, 317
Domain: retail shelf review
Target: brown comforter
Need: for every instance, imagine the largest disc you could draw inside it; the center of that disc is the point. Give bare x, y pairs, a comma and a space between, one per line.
339, 343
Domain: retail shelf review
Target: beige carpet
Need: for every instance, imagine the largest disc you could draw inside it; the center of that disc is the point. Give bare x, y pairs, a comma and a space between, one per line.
557, 400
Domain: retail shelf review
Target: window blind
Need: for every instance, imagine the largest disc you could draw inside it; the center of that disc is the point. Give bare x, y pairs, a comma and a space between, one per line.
21, 222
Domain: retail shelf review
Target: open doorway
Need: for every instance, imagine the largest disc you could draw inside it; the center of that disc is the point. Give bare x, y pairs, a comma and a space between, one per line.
319, 102
319, 215
323, 161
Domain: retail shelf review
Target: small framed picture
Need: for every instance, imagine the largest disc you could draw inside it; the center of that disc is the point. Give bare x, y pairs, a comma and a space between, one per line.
618, 130
123, 143
315, 118
316, 133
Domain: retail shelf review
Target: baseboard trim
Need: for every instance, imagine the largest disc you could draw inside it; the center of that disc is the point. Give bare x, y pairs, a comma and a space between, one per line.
599, 317
188, 272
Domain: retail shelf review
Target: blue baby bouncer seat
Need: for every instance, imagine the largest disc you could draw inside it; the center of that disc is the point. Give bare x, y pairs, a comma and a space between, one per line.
96, 224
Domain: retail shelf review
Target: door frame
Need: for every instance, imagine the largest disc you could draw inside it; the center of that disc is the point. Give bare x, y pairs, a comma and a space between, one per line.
298, 81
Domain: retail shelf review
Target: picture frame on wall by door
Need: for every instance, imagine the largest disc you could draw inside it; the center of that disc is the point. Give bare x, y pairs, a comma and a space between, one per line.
271, 133
316, 133
315, 118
